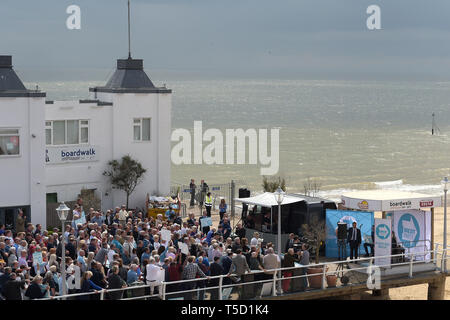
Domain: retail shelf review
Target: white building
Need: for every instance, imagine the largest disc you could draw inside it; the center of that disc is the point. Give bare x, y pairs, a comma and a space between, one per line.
65, 146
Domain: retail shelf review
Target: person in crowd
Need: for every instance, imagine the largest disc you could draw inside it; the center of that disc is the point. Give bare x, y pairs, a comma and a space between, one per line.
190, 272
222, 208
20, 221
35, 291
115, 282
240, 230
354, 240
192, 187
215, 269
370, 245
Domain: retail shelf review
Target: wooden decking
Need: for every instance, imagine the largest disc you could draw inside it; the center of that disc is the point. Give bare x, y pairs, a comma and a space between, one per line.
435, 280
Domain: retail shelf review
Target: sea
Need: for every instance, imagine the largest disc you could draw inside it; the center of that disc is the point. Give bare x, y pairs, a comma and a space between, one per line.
342, 135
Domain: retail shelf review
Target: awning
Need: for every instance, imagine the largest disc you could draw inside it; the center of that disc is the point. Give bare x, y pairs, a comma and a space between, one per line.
267, 200
389, 200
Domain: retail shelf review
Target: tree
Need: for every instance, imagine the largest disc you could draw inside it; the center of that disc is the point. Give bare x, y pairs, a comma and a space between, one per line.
273, 184
311, 187
316, 233
125, 175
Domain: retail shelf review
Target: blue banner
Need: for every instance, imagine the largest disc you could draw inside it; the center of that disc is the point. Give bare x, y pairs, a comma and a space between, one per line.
364, 218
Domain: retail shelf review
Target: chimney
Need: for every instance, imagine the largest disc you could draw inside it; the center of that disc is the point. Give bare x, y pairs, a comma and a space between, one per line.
6, 62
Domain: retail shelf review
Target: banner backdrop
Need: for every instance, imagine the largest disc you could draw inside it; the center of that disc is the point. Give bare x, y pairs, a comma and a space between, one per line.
383, 242
412, 229
334, 216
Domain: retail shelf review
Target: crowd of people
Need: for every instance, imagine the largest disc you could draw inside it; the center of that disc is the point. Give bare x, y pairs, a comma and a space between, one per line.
123, 248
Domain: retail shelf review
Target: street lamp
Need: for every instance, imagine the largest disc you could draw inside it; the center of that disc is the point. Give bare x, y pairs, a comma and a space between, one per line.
63, 212
279, 197
444, 183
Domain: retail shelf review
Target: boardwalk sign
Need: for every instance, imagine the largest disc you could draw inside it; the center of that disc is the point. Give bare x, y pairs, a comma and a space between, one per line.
383, 242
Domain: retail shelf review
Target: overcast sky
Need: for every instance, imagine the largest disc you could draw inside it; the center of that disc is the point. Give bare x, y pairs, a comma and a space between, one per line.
324, 39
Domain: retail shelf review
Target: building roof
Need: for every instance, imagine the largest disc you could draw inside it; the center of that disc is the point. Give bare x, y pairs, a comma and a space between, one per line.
10, 83
267, 199
130, 77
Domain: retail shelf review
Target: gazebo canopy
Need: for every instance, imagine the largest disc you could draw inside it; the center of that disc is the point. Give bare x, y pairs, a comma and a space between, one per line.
389, 200
267, 199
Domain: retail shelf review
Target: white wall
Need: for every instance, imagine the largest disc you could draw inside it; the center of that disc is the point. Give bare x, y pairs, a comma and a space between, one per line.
154, 155
23, 176
111, 128
67, 179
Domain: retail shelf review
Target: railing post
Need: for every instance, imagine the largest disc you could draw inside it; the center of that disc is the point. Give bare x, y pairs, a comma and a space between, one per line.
436, 246
220, 287
411, 265
163, 290
274, 289
323, 276
102, 294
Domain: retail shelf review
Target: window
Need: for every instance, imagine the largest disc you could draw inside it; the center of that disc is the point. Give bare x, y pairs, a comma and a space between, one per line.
9, 142
141, 129
60, 132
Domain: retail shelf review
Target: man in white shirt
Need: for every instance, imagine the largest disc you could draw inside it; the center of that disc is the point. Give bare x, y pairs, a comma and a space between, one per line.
152, 278
123, 214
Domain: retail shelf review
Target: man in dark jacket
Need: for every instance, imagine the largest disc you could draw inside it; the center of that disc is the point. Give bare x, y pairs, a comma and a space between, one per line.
354, 240
11, 289
34, 291
115, 282
215, 269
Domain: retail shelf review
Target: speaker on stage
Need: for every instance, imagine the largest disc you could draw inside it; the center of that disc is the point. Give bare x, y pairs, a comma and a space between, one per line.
342, 231
244, 193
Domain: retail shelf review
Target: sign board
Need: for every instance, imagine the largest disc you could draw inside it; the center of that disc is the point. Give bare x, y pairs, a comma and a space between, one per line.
383, 242
413, 231
215, 188
206, 222
81, 220
363, 219
391, 205
166, 235
187, 190
71, 154
37, 258
183, 247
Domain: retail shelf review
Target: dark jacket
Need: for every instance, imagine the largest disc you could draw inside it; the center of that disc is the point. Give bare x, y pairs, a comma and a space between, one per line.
358, 235
11, 290
288, 261
115, 282
34, 291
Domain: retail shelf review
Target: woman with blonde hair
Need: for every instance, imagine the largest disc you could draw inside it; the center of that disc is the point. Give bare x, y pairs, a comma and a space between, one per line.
89, 260
88, 286
52, 261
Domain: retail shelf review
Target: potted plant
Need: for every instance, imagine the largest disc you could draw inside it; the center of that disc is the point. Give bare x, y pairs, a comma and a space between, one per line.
316, 276
331, 280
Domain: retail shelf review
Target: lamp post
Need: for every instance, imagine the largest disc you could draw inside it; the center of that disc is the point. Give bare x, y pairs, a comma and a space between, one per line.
279, 197
63, 212
444, 183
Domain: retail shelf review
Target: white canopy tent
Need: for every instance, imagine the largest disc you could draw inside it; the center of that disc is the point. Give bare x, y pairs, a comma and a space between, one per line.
388, 200
267, 199
392, 200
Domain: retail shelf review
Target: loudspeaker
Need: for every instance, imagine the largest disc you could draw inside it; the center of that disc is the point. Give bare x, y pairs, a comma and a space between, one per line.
342, 231
244, 193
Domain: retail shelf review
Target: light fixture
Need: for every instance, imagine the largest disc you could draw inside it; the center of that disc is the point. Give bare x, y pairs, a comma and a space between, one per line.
279, 195
63, 211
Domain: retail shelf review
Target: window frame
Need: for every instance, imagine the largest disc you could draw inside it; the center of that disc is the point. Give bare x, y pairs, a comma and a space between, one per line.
80, 126
141, 127
3, 156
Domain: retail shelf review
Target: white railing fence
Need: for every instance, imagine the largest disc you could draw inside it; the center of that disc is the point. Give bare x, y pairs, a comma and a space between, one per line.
185, 289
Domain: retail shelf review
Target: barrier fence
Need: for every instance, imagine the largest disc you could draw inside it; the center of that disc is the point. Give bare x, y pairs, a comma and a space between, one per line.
270, 282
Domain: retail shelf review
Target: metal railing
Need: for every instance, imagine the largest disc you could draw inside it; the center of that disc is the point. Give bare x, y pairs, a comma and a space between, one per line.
199, 286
